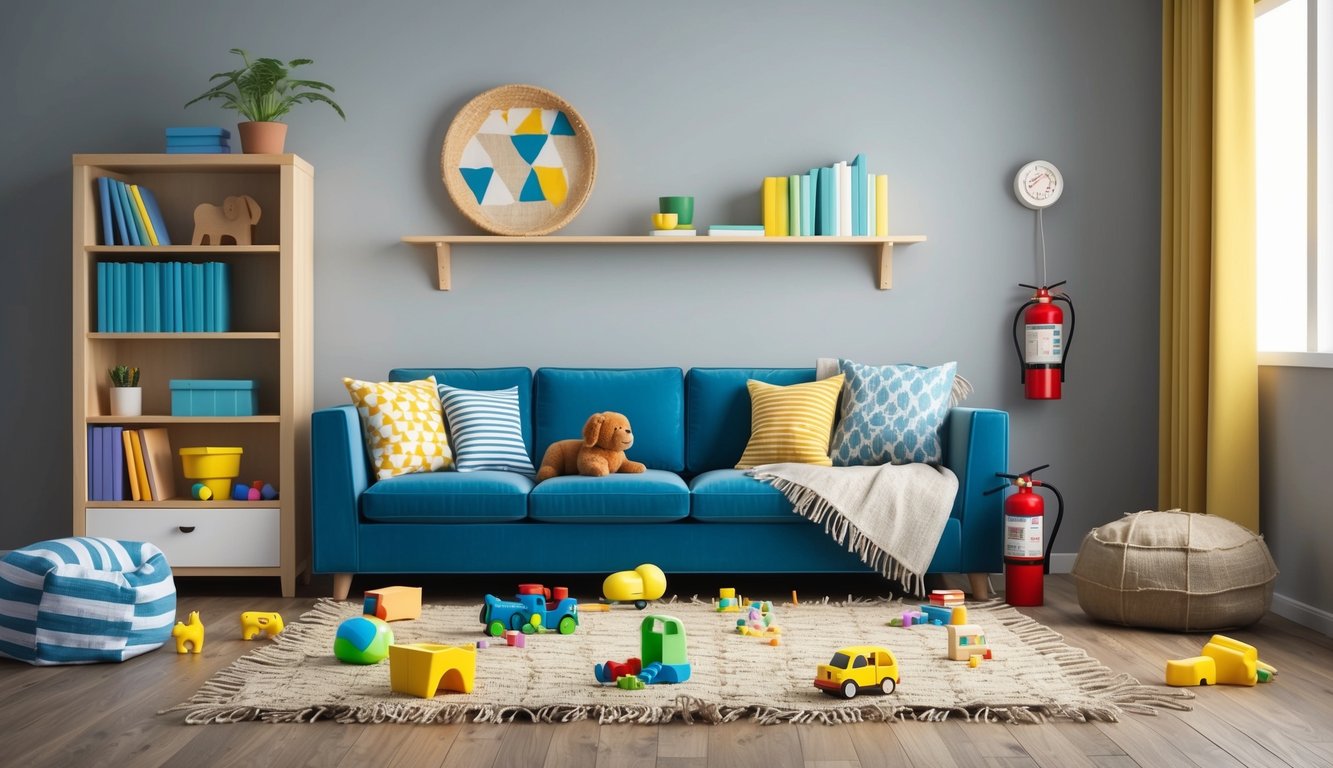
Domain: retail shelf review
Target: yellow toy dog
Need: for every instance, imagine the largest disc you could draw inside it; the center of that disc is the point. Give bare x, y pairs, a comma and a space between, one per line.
254, 622
189, 632
606, 437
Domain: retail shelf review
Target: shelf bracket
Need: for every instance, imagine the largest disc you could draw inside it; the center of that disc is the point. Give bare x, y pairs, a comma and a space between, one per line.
442, 266
885, 266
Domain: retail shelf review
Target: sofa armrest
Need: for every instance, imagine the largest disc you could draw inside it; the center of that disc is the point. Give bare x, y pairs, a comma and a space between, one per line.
338, 478
978, 447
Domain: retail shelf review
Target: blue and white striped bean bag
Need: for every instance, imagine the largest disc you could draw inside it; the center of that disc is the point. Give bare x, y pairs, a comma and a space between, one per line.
81, 600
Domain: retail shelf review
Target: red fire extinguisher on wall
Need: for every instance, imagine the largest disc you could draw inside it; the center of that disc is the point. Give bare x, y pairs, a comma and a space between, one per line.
1025, 564
1041, 356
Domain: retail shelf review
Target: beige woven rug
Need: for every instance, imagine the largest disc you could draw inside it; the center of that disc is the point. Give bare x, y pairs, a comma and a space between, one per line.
1033, 675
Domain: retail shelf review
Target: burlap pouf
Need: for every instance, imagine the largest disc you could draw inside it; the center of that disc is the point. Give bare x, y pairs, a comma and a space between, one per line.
1174, 570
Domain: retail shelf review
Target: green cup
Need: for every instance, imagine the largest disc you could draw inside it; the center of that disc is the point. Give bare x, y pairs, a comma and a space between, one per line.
681, 205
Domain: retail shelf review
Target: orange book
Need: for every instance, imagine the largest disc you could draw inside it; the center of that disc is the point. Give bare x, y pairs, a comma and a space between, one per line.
157, 463
144, 490
129, 464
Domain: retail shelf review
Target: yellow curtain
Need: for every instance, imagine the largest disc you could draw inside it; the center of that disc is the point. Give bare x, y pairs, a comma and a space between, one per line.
1209, 401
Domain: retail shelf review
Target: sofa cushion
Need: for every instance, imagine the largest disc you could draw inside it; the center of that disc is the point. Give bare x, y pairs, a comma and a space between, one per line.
482, 378
791, 423
485, 496
652, 398
892, 414
732, 496
653, 496
486, 429
402, 424
717, 412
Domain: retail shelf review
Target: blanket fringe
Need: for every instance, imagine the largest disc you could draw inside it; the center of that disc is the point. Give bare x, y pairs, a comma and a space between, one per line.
1109, 694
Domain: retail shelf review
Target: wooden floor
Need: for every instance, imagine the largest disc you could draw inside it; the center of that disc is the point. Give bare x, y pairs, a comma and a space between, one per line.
107, 714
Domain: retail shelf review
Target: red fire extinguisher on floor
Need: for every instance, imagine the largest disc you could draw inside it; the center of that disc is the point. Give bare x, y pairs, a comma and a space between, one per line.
1025, 564
1042, 355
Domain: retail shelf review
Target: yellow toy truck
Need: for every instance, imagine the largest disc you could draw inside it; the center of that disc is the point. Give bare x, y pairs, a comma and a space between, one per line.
856, 667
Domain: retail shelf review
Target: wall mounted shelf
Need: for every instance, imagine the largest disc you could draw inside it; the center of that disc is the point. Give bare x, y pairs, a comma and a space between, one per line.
444, 243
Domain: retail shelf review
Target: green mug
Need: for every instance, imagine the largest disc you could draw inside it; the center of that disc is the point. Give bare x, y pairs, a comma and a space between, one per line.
681, 205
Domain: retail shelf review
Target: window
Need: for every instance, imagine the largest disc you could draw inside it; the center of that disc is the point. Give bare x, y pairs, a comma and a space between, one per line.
1293, 52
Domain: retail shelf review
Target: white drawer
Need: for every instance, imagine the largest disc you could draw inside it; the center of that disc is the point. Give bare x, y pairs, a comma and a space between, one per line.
231, 537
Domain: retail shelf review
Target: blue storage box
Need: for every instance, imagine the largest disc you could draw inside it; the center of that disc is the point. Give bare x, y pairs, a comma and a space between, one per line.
214, 397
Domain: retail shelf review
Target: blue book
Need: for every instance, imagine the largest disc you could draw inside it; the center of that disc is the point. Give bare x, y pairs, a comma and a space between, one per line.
164, 296
198, 130
152, 318
210, 296
118, 212
127, 210
224, 296
807, 215
828, 224
154, 215
104, 198
122, 321
136, 297
177, 297
95, 464
859, 195
101, 297
117, 464
198, 151
198, 299
196, 141
814, 202
187, 298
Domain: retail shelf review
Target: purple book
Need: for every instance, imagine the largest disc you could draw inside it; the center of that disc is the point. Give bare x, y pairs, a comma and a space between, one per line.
94, 463
115, 464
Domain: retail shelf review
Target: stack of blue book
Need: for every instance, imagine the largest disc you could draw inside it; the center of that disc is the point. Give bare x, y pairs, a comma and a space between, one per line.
201, 140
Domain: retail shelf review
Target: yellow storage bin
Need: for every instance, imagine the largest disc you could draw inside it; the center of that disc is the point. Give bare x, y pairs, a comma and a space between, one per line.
215, 466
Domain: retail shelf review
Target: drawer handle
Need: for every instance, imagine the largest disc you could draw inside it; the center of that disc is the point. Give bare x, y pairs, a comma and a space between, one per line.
186, 528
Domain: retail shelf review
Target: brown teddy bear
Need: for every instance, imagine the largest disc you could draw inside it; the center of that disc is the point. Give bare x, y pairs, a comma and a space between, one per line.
601, 452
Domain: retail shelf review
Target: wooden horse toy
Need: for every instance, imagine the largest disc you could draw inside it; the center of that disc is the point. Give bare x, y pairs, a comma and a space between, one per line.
255, 622
191, 633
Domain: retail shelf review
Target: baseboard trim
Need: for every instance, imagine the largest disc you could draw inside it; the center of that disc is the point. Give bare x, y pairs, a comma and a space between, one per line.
1304, 614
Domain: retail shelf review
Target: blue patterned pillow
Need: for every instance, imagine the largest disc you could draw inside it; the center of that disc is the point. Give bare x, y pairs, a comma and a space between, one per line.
486, 429
892, 414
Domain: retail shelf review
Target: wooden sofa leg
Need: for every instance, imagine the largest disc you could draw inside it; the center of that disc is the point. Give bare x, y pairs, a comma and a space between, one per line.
342, 584
980, 585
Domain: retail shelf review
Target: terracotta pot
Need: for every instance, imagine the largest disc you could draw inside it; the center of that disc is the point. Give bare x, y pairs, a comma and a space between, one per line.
262, 138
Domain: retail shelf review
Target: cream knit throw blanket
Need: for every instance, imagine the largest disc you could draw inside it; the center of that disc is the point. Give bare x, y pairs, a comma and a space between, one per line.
891, 515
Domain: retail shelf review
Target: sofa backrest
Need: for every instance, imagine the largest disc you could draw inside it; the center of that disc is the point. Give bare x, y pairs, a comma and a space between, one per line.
652, 398
483, 379
717, 412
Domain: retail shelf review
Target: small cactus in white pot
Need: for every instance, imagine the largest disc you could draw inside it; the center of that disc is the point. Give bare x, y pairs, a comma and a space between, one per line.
126, 396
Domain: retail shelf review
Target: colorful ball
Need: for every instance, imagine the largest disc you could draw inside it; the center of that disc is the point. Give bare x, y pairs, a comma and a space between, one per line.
362, 640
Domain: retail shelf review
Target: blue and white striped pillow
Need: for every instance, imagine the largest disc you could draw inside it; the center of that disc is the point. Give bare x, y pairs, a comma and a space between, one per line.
82, 600
485, 428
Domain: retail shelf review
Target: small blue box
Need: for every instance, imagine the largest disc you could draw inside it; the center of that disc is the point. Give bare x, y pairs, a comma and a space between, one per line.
214, 397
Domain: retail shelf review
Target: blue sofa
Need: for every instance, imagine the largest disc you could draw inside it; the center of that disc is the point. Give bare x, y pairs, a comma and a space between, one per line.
690, 512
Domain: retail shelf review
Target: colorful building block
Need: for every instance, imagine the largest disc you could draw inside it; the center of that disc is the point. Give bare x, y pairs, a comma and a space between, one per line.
420, 669
393, 603
966, 640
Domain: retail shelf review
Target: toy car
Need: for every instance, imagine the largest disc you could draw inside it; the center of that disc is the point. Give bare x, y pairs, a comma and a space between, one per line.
529, 613
647, 582
856, 667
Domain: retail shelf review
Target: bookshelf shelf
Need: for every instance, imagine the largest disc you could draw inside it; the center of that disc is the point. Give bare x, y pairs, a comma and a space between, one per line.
270, 341
883, 246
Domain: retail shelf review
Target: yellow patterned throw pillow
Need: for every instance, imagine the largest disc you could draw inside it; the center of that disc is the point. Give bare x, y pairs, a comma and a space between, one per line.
403, 425
791, 423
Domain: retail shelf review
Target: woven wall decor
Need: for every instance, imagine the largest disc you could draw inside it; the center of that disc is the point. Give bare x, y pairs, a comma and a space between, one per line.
519, 160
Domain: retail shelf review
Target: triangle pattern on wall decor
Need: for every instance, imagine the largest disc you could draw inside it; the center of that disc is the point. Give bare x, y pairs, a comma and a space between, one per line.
497, 193
532, 189
529, 145
478, 179
561, 126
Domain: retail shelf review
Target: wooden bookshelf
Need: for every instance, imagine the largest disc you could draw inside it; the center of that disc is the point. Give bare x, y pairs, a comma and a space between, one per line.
883, 246
270, 341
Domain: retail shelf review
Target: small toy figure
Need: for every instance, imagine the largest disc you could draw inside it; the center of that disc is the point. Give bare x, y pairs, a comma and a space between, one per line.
601, 451
727, 601
189, 633
647, 582
1224, 660
758, 621
254, 622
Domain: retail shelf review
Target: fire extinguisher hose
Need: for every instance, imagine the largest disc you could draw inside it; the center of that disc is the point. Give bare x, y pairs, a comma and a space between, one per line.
1055, 529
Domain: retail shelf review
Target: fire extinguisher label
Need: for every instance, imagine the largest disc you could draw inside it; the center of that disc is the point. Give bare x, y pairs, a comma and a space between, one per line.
1043, 344
1022, 536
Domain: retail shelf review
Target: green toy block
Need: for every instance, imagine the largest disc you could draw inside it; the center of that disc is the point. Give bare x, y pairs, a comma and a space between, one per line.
662, 640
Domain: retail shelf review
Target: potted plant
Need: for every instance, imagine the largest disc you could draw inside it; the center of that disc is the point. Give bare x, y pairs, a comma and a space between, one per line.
263, 90
126, 396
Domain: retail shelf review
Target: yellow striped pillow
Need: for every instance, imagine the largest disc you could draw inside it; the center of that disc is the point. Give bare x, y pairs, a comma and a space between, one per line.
791, 423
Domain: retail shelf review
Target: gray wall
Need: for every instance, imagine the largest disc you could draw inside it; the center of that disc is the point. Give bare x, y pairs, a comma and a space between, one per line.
706, 98
1295, 421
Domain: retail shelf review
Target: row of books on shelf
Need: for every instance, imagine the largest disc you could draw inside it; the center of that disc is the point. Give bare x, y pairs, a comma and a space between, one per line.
133, 464
130, 214
844, 199
163, 297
